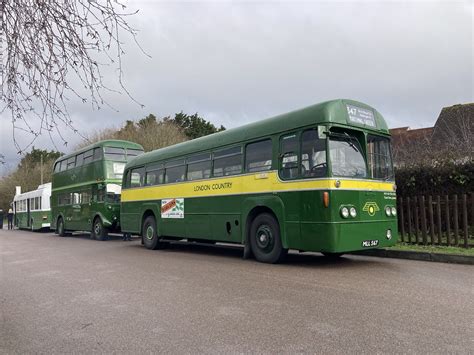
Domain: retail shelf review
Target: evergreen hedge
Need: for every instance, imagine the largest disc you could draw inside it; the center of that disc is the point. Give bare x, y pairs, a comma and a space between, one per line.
442, 179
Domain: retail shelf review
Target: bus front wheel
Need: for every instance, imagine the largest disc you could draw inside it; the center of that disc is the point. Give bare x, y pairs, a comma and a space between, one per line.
60, 228
99, 232
149, 234
265, 239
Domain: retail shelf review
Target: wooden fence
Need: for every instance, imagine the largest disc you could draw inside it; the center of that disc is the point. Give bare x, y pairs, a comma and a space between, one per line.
437, 220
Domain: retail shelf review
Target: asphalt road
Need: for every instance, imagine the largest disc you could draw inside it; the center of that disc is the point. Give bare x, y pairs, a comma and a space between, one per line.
73, 294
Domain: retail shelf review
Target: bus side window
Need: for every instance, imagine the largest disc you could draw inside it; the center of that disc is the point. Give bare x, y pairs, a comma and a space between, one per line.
154, 174
76, 198
313, 154
79, 159
57, 166
71, 162
98, 154
258, 156
289, 161
88, 156
137, 177
85, 197
154, 177
63, 166
227, 162
199, 166
175, 171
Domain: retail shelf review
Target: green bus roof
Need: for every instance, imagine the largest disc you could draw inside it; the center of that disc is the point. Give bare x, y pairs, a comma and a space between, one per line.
117, 143
329, 112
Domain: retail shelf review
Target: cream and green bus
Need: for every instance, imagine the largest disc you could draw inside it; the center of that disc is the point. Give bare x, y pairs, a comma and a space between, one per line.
32, 210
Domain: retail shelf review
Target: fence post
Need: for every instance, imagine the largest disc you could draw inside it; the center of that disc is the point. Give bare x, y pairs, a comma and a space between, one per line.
448, 222
464, 221
417, 225
402, 220
472, 209
409, 219
438, 219
430, 212
423, 219
456, 221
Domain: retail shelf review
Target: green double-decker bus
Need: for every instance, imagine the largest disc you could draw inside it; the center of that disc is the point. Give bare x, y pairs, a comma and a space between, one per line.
32, 210
317, 179
86, 188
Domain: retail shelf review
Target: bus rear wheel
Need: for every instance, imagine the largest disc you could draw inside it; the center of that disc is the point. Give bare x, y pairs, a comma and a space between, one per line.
150, 236
265, 239
60, 228
99, 232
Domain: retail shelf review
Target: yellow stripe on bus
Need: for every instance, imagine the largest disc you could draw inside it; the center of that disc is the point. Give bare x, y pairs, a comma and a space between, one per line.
246, 184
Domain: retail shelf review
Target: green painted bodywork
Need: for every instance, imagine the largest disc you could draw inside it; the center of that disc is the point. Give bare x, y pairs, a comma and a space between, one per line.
305, 224
37, 220
331, 112
91, 178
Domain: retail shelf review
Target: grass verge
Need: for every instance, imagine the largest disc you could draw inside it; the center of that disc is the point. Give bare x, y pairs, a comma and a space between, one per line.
433, 249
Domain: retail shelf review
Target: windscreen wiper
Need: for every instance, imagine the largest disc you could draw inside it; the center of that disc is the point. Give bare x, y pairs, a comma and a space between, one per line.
346, 137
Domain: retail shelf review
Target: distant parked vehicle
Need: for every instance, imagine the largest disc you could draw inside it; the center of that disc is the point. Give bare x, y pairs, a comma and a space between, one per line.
86, 188
32, 209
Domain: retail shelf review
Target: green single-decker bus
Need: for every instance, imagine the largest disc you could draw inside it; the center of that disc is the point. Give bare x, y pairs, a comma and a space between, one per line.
317, 179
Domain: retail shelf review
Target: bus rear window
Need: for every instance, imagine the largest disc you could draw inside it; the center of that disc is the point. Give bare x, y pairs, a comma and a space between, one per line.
131, 153
112, 153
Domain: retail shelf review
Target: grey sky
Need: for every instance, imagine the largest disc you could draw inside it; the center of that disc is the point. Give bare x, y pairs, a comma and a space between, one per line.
237, 62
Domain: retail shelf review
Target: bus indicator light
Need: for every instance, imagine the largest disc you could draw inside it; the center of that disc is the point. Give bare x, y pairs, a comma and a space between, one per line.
326, 199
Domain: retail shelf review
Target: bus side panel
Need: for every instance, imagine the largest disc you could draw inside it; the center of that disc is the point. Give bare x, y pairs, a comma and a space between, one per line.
224, 216
22, 220
290, 220
131, 214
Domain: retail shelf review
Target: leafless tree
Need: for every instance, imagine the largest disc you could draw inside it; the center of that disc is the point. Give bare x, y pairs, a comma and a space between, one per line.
150, 133
454, 130
52, 51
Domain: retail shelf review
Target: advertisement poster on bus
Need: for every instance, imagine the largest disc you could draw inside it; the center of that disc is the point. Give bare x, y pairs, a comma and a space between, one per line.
172, 208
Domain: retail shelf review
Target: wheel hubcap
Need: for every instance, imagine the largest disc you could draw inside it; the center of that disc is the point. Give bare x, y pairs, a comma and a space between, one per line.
149, 233
97, 228
265, 238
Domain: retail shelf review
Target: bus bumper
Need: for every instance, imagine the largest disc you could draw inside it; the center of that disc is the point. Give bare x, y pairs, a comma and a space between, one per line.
340, 237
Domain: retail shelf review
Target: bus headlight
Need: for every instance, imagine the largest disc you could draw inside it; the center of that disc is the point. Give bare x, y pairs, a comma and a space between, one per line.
353, 212
394, 211
388, 211
344, 212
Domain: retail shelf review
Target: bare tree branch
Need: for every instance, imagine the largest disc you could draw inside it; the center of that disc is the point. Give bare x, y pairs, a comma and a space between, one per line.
50, 52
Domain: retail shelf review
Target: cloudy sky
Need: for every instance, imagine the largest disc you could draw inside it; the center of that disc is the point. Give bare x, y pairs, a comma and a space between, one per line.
236, 62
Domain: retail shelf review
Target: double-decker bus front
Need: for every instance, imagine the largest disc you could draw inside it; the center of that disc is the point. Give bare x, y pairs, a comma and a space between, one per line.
110, 188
